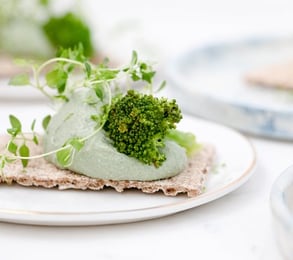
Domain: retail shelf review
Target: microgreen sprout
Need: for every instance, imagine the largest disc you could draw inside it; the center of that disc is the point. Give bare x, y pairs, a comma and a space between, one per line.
53, 79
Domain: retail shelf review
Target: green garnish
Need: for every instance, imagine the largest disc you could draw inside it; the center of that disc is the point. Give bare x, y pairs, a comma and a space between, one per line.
67, 31
46, 121
18, 143
137, 122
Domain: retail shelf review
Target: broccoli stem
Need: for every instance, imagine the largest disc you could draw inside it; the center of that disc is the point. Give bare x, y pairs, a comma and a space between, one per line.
185, 139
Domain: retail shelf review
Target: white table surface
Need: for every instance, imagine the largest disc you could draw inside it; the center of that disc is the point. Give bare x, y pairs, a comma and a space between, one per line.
237, 226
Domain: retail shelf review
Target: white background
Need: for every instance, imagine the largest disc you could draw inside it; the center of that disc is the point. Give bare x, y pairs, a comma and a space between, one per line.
166, 28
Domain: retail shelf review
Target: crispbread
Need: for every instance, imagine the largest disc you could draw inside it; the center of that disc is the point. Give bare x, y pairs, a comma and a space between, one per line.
44, 174
277, 76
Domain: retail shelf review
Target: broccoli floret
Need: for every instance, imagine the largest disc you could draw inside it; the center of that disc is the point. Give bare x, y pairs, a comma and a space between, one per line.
137, 124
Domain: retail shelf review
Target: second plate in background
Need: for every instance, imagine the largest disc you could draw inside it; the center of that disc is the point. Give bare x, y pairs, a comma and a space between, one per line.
210, 82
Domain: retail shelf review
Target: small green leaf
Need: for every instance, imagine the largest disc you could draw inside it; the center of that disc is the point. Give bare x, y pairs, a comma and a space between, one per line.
62, 82
99, 89
12, 131
57, 78
107, 74
52, 78
77, 143
143, 66
2, 162
88, 69
46, 122
65, 156
12, 147
134, 76
24, 152
15, 123
133, 58
69, 68
35, 140
20, 80
33, 125
148, 76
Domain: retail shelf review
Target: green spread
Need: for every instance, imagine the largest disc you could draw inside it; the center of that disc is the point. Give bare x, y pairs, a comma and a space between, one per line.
98, 158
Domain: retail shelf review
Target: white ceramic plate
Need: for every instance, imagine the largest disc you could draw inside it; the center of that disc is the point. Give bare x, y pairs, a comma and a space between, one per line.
53, 207
210, 82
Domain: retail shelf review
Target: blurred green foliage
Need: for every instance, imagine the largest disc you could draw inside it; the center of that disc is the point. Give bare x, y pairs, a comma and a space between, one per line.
68, 31
33, 28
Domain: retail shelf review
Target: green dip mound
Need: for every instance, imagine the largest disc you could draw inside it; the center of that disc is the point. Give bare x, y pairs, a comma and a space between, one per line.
98, 158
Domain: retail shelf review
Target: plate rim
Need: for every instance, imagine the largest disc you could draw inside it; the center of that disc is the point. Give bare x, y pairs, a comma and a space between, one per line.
264, 121
172, 207
176, 63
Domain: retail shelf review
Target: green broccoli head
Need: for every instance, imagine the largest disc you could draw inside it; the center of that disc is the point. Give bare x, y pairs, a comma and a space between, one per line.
137, 124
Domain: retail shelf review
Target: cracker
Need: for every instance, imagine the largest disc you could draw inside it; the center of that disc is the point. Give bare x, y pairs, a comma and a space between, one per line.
276, 76
41, 173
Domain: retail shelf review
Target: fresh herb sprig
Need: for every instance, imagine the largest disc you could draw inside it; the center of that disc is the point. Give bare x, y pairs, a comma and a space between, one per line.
54, 79
17, 145
98, 77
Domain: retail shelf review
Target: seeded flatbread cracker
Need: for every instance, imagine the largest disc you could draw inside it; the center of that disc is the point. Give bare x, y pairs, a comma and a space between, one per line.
41, 173
276, 76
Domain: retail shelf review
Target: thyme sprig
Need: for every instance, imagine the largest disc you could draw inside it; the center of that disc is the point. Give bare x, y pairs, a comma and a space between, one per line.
57, 80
